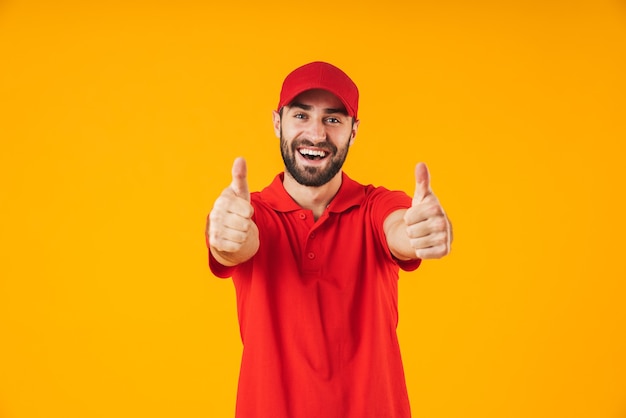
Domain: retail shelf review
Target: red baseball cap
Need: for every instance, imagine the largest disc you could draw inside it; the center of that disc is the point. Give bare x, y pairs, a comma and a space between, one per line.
321, 75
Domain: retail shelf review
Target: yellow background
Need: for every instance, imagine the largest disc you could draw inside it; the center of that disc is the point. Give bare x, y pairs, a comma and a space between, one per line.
119, 122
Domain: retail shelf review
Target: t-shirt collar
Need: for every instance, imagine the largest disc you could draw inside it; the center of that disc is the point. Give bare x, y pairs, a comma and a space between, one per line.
350, 194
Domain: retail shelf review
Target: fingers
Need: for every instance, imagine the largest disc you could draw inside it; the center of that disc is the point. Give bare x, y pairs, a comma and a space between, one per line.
233, 216
429, 241
433, 227
228, 235
422, 183
230, 222
240, 179
433, 252
430, 238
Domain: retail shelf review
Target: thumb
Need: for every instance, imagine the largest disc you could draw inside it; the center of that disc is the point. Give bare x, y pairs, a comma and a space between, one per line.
240, 180
422, 183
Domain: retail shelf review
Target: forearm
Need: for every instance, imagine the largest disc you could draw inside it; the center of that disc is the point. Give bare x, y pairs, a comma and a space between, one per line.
397, 238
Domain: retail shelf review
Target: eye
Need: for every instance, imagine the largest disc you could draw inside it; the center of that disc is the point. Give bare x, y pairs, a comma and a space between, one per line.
299, 116
333, 120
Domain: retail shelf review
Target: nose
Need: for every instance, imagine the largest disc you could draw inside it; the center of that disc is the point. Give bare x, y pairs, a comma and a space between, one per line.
317, 131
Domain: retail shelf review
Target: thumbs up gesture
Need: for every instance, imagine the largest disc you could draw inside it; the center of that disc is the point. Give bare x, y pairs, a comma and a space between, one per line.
428, 227
232, 234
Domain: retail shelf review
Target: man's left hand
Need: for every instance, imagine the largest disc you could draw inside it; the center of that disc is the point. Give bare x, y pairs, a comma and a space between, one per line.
428, 227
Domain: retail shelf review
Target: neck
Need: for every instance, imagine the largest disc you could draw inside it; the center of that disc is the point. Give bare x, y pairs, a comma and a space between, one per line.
315, 199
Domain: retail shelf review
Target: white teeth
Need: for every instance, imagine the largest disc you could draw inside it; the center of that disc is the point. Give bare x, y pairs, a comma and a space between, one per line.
314, 153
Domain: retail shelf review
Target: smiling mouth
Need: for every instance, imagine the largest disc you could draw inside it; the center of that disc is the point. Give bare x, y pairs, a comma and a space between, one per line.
312, 154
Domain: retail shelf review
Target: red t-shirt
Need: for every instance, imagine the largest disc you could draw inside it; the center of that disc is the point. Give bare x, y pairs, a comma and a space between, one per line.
318, 308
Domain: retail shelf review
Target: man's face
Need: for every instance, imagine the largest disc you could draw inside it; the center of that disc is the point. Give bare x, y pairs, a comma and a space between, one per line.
315, 133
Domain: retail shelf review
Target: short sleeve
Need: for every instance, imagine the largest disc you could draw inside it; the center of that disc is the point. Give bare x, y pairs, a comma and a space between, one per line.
408, 265
218, 269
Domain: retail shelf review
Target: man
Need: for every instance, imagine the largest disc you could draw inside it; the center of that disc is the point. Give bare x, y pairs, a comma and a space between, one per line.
315, 258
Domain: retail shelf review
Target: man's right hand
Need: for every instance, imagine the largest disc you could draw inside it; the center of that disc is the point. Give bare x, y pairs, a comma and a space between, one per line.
232, 234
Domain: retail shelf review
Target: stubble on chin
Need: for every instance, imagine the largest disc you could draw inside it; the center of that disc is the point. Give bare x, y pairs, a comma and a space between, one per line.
312, 176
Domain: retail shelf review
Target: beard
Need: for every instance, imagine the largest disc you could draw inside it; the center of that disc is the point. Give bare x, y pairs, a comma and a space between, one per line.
313, 176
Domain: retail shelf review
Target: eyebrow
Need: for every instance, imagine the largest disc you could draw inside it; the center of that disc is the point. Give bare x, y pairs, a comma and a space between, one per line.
328, 111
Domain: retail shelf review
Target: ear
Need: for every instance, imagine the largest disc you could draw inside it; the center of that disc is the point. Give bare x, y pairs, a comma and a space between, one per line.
276, 122
355, 128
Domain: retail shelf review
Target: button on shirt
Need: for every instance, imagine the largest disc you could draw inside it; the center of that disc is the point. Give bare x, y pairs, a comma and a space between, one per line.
317, 308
